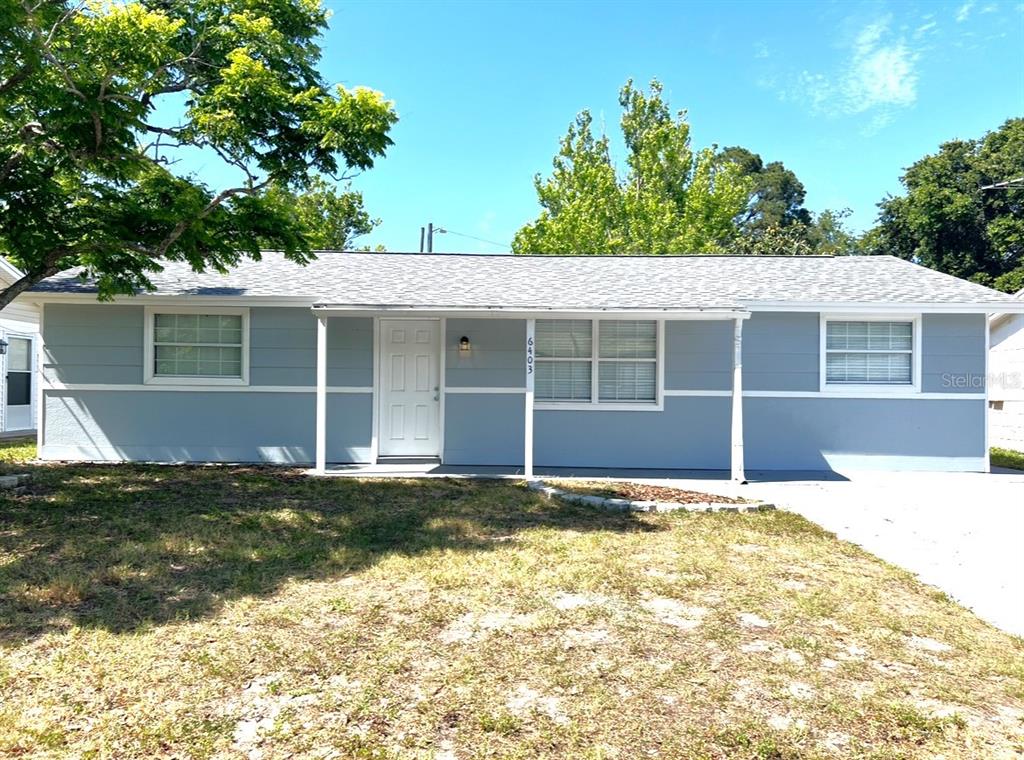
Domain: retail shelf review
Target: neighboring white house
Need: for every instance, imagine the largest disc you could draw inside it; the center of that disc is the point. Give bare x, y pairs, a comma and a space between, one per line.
19, 335
1006, 386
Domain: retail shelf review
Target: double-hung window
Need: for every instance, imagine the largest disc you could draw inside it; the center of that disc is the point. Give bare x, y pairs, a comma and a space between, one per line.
201, 346
875, 353
583, 361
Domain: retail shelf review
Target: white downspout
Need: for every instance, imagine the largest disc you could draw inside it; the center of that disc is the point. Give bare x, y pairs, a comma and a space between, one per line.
531, 329
738, 474
321, 395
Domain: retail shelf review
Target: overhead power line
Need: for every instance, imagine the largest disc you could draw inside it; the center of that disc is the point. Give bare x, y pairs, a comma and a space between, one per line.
427, 238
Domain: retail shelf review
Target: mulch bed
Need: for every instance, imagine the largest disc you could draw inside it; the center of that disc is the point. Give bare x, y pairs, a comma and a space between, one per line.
644, 492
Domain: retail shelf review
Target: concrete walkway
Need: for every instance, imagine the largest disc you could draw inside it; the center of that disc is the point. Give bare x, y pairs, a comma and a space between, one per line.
961, 532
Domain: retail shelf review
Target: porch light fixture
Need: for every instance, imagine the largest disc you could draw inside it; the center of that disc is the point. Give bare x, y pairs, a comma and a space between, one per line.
3, 346
464, 345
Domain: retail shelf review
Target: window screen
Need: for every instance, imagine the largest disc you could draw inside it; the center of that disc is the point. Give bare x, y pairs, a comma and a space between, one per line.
869, 353
626, 360
197, 345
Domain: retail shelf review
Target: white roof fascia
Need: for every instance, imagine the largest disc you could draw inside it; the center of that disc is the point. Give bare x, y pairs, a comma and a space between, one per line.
526, 313
887, 308
155, 299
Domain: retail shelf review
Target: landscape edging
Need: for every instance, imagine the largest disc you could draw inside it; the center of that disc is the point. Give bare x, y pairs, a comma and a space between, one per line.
629, 505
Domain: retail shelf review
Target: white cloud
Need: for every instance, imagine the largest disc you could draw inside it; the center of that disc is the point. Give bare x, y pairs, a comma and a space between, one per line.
761, 50
964, 11
877, 76
925, 28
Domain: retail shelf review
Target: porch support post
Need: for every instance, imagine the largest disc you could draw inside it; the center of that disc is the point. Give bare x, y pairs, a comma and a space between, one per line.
738, 475
531, 327
321, 394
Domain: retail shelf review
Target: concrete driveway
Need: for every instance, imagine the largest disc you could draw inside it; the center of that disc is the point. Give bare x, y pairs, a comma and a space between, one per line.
962, 532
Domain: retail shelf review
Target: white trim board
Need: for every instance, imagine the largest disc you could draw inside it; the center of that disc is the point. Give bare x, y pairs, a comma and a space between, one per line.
474, 390
67, 387
907, 395
925, 396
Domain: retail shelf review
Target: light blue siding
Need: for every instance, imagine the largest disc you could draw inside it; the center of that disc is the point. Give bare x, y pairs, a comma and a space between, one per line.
953, 353
826, 433
691, 432
496, 358
282, 348
698, 355
780, 351
484, 428
181, 426
103, 344
93, 343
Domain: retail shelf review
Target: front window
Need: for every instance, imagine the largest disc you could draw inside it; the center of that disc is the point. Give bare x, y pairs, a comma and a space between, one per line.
198, 346
869, 353
624, 369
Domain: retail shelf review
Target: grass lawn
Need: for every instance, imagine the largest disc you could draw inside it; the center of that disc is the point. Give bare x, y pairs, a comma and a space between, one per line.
243, 612
1007, 458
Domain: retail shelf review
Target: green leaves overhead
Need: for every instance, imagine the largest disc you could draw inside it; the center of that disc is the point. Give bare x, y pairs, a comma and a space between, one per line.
671, 200
100, 99
947, 221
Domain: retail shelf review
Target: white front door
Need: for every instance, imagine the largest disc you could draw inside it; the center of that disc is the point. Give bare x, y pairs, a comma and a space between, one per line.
410, 387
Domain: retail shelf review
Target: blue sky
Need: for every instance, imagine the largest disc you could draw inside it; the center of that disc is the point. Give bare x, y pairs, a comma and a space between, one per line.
845, 94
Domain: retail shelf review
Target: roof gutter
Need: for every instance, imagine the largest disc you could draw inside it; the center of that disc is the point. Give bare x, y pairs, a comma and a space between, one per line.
881, 307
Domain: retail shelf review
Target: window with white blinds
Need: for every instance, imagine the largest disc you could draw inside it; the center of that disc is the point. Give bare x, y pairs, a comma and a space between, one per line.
624, 369
195, 347
869, 352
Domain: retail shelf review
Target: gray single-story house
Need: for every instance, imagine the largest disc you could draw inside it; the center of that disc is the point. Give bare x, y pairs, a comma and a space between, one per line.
682, 362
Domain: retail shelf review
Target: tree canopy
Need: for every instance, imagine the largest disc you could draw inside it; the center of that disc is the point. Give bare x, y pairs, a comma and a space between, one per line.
332, 218
949, 222
671, 199
99, 100
776, 197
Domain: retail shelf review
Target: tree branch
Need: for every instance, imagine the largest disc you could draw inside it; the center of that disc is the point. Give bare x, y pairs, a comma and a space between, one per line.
179, 229
49, 268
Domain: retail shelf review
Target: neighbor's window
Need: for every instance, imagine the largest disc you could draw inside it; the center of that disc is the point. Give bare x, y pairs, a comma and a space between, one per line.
19, 372
869, 353
197, 345
624, 370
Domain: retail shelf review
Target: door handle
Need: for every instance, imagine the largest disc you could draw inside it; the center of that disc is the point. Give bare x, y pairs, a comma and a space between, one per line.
437, 393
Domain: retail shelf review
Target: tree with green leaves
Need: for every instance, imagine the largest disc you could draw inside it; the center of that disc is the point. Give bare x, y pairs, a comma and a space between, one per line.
948, 221
100, 99
777, 196
332, 217
671, 198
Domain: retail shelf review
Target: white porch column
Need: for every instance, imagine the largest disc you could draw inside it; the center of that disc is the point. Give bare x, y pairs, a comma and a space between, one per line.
737, 402
531, 328
321, 394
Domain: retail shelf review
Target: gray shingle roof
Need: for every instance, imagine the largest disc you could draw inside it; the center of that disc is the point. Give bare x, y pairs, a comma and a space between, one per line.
569, 282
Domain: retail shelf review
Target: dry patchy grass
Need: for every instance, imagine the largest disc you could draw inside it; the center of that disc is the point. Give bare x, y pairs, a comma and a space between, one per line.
245, 612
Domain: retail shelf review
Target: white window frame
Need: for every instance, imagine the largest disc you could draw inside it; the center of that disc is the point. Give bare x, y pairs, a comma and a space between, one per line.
861, 389
149, 374
612, 406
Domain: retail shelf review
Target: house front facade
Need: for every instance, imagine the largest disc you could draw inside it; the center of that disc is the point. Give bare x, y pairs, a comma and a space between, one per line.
696, 363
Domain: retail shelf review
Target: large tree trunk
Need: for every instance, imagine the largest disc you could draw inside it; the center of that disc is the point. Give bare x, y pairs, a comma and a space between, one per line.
19, 286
